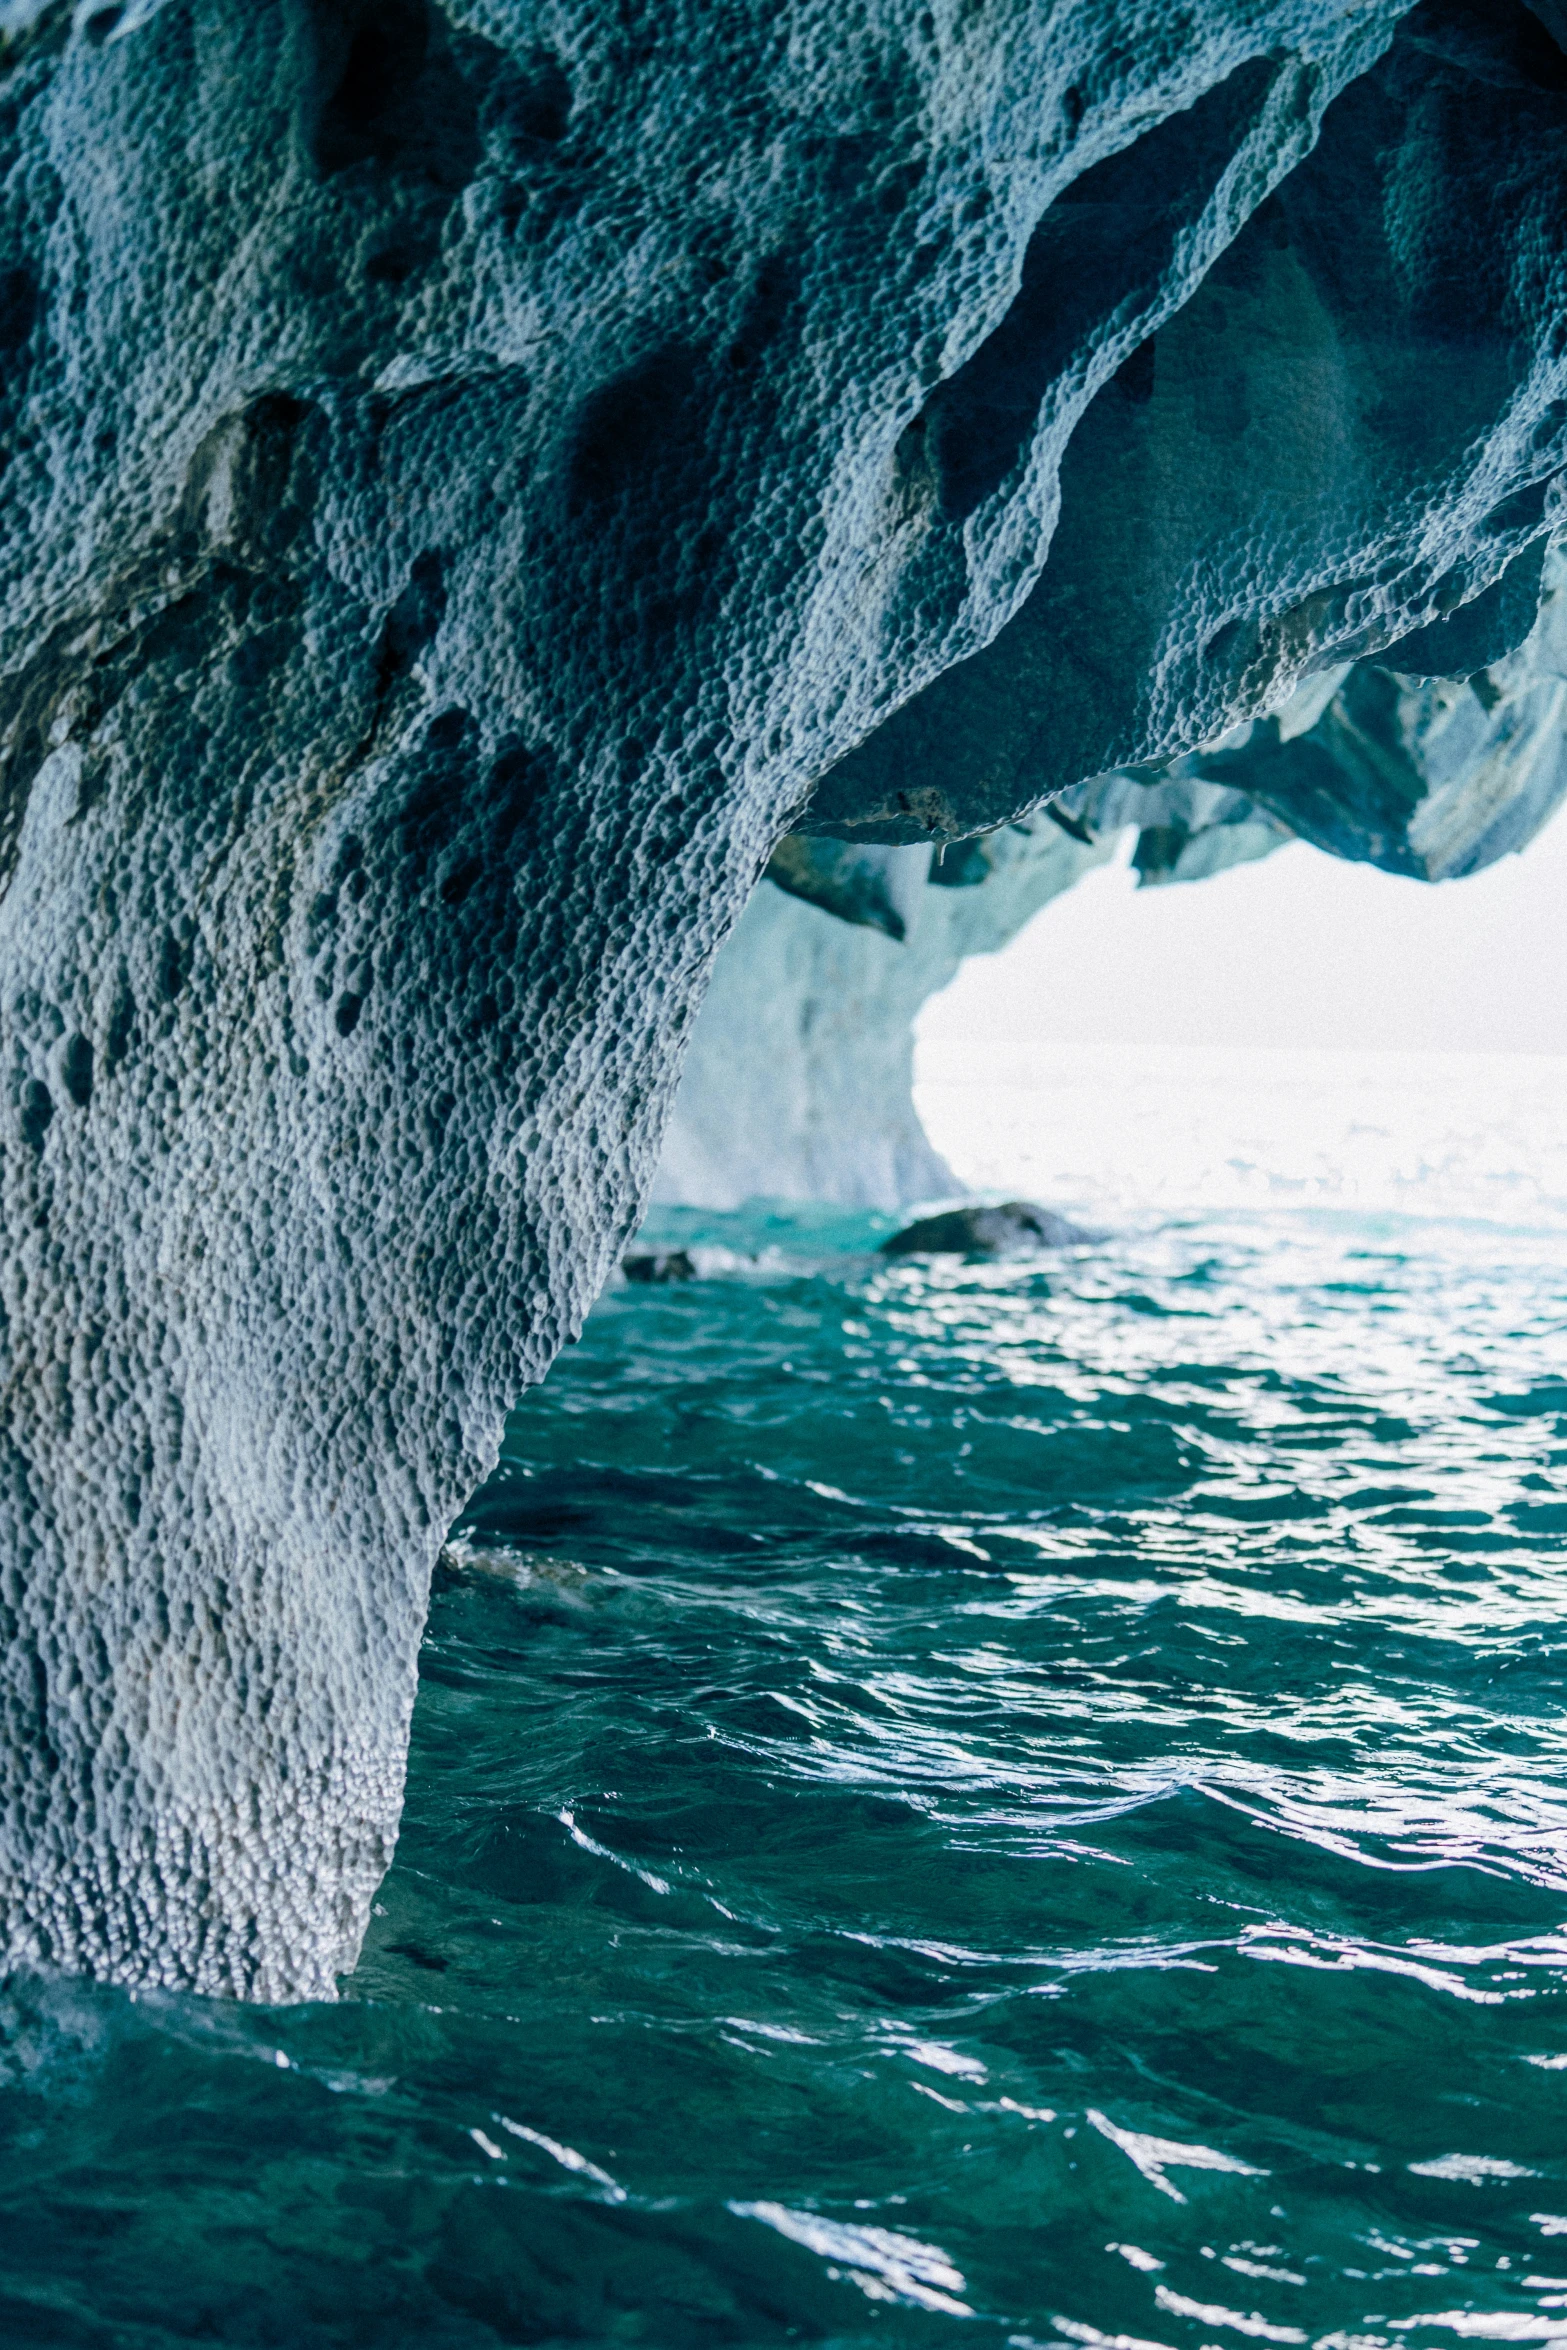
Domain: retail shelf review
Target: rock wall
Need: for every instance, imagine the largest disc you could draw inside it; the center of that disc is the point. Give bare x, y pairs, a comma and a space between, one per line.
799, 1076
798, 1080
469, 472
1269, 483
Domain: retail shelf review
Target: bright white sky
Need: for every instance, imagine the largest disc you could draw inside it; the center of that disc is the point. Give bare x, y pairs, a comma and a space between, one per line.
1298, 949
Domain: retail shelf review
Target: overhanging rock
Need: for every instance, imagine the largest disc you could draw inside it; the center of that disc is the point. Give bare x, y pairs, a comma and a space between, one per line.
469, 471
1271, 483
798, 1079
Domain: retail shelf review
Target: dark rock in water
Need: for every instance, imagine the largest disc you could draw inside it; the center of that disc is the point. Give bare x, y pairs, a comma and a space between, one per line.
659, 1265
1016, 1229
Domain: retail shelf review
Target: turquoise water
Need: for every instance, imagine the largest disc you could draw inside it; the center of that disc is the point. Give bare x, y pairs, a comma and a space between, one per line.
999, 1805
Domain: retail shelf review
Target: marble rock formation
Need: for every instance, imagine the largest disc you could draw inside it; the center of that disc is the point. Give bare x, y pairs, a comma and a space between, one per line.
798, 1077
1432, 774
470, 471
800, 1068
798, 1080
1298, 421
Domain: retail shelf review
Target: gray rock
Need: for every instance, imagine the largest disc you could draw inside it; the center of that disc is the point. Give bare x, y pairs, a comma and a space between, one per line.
798, 1079
469, 471
873, 888
1433, 777
1348, 409
1015, 1229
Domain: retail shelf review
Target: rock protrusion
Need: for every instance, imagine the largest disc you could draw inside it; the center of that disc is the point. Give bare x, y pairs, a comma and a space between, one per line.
422, 613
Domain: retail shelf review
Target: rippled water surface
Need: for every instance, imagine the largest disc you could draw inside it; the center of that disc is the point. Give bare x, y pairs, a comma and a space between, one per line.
1010, 1805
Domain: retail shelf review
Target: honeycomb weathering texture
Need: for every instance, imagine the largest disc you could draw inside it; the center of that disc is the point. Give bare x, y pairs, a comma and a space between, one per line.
468, 473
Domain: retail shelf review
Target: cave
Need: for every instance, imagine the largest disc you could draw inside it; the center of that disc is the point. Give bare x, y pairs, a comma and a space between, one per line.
450, 560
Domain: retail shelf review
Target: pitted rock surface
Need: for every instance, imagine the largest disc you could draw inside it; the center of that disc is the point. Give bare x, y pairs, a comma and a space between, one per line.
469, 472
1433, 776
1346, 437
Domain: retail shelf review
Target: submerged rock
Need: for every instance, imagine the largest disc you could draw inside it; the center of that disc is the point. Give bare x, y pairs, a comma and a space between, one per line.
656, 1268
1016, 1229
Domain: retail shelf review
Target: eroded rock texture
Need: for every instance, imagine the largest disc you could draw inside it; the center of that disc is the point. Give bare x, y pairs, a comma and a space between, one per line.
798, 1080
468, 472
1340, 439
1429, 774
